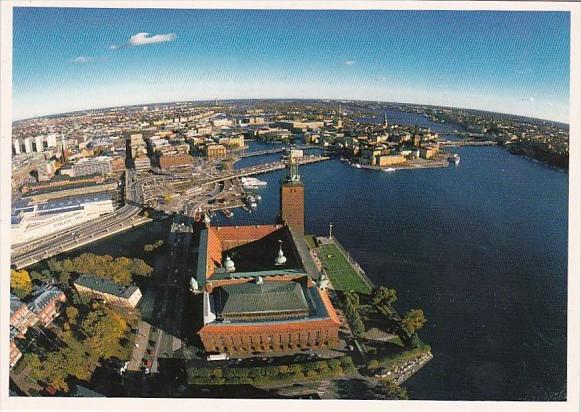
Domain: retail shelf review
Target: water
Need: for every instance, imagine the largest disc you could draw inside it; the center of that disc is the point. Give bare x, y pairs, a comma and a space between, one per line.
481, 248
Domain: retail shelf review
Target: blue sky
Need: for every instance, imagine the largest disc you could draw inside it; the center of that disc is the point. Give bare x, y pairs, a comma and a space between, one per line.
70, 59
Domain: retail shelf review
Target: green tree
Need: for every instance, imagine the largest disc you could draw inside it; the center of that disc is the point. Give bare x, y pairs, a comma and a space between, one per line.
140, 268
20, 282
383, 295
32, 361
389, 390
54, 265
72, 314
413, 320
64, 277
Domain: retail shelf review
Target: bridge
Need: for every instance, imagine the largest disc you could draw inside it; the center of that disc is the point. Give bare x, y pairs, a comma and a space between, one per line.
274, 151
468, 143
259, 169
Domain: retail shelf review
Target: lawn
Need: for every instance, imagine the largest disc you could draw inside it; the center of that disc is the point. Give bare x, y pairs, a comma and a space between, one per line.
341, 274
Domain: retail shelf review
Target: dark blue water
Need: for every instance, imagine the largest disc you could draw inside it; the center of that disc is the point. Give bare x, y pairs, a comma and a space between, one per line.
412, 119
481, 247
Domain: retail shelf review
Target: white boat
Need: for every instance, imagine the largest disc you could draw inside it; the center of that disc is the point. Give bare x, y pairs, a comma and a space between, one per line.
358, 166
389, 169
252, 183
455, 158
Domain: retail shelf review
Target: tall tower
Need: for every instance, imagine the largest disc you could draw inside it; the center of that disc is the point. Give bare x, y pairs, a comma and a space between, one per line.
292, 198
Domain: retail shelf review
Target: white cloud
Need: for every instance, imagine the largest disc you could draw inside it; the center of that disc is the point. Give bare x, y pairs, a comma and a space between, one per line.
141, 39
528, 99
349, 62
83, 59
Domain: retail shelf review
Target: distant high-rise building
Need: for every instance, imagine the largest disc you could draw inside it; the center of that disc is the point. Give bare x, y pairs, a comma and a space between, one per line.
292, 198
51, 140
27, 145
16, 146
39, 142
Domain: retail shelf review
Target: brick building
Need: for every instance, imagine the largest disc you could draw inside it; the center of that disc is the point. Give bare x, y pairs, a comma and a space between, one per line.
261, 290
292, 199
175, 161
46, 304
21, 318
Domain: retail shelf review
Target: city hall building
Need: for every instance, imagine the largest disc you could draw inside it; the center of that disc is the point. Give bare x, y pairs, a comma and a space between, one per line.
261, 288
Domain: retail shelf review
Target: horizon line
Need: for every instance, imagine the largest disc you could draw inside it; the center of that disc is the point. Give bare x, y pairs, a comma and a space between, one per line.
285, 98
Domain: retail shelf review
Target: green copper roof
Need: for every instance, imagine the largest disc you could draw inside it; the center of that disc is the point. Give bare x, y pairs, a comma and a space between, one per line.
247, 298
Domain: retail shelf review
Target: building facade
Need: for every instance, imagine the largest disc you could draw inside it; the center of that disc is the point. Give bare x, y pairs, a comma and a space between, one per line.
292, 199
105, 289
261, 289
167, 162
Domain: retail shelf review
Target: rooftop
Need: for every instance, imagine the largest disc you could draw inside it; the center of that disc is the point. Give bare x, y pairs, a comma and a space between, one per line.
105, 285
256, 298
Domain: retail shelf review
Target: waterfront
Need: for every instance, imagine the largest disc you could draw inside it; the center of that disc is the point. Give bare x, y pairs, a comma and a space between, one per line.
481, 247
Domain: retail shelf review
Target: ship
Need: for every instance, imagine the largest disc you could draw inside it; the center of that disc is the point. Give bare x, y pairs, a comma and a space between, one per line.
389, 169
252, 183
454, 158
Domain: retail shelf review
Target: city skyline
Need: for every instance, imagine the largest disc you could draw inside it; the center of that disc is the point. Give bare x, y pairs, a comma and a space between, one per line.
510, 62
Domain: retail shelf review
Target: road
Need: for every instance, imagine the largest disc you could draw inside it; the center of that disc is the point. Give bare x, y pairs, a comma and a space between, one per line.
171, 288
121, 219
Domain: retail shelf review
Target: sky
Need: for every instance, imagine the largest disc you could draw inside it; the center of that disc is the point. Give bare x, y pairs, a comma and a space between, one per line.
73, 59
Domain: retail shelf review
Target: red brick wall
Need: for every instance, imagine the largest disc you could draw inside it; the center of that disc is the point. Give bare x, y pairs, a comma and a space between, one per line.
292, 207
269, 337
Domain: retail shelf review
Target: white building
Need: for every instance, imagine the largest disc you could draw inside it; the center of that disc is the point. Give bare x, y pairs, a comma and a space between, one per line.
31, 221
88, 166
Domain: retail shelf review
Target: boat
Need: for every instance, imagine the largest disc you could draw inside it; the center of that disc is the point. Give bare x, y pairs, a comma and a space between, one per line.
253, 205
258, 197
454, 158
252, 183
246, 209
389, 169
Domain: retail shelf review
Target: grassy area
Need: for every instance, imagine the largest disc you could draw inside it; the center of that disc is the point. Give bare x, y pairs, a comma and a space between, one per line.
340, 272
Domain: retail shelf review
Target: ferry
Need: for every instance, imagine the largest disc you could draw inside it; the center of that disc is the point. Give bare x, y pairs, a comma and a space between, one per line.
455, 158
252, 183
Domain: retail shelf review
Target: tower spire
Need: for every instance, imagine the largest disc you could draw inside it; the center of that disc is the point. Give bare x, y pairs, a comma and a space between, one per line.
293, 167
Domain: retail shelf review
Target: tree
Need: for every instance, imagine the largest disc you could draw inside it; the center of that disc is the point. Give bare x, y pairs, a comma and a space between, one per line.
140, 268
352, 298
72, 314
383, 295
392, 391
20, 282
413, 320
64, 277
